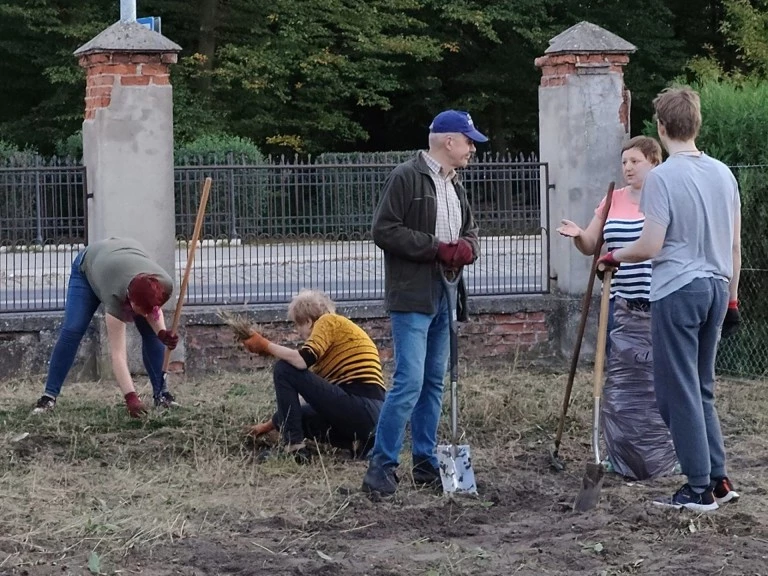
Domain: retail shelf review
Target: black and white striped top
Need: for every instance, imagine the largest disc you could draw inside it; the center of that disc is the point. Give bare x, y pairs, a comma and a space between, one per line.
623, 226
631, 280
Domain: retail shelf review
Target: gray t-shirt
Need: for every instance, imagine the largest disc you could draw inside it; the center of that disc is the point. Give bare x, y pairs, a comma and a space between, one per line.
111, 264
696, 198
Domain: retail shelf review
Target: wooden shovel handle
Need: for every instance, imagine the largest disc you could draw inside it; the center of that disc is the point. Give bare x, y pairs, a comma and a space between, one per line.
190, 259
602, 332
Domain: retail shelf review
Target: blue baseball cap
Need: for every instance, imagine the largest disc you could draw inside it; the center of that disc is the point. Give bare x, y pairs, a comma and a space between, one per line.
456, 121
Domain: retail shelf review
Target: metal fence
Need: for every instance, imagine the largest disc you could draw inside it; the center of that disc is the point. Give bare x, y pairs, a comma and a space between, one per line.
746, 354
42, 225
273, 228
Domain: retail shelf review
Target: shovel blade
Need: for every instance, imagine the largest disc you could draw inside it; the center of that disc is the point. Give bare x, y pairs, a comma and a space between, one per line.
456, 472
591, 485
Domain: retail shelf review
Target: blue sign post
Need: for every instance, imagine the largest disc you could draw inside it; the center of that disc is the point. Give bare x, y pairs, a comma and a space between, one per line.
151, 22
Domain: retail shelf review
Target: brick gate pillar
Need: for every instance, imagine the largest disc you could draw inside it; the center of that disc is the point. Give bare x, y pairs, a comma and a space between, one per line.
583, 122
128, 147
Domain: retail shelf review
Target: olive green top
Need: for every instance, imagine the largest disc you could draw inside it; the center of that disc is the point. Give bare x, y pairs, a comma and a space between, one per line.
110, 265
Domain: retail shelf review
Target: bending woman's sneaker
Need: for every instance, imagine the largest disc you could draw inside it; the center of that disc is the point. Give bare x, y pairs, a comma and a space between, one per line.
45, 404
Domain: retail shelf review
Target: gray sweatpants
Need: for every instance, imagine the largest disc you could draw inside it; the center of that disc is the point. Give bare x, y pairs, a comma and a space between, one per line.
685, 329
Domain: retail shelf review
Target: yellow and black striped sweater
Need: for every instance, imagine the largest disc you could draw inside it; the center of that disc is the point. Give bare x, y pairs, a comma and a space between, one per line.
342, 353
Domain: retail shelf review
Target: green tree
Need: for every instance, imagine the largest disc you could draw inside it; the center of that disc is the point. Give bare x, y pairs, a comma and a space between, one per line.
488, 66
745, 28
309, 64
318, 75
37, 38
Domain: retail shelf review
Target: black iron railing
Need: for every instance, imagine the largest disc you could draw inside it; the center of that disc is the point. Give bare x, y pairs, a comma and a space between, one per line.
273, 228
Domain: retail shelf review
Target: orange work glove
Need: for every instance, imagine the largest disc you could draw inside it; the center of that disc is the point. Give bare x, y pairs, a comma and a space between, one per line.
260, 429
257, 344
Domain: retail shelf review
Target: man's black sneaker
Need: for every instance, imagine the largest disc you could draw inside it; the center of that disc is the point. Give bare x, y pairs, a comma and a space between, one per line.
45, 404
379, 480
724, 491
424, 474
166, 400
688, 498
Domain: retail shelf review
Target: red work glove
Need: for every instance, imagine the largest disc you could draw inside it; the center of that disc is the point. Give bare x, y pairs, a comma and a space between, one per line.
135, 406
446, 252
464, 254
607, 261
257, 344
732, 321
168, 338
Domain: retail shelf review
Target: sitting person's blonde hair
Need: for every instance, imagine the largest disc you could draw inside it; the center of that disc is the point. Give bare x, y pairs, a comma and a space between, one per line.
310, 305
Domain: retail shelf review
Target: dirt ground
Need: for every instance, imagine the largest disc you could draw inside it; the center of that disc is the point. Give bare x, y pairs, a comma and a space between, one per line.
88, 491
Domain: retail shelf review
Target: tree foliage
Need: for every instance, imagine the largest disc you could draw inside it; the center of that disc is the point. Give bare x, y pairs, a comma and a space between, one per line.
336, 75
745, 27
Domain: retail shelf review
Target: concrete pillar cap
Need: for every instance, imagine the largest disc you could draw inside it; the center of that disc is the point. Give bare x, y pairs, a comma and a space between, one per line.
588, 38
128, 37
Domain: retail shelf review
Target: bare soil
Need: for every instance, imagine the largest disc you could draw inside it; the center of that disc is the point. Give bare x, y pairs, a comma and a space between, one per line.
90, 491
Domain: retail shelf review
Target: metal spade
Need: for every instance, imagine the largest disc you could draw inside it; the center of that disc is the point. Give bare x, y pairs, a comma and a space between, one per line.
455, 460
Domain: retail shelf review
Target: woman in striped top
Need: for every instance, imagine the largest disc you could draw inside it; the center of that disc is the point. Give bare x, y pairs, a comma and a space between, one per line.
625, 221
336, 372
638, 442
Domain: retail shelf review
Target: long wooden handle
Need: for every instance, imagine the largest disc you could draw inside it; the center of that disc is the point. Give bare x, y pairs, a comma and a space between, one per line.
583, 320
190, 259
602, 332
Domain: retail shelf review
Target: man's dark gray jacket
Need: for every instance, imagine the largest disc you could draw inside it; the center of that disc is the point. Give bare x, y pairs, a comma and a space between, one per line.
404, 228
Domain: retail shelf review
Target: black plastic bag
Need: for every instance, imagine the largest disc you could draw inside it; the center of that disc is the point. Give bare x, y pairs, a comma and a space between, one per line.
637, 439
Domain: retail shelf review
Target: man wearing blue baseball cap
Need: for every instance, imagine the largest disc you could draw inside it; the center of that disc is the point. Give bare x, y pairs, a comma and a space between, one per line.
424, 224
456, 121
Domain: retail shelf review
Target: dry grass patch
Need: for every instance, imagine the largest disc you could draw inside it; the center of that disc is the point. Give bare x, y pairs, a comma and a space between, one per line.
181, 492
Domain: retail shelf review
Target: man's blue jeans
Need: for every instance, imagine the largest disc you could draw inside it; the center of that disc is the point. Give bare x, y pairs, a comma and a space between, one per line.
685, 330
79, 309
421, 359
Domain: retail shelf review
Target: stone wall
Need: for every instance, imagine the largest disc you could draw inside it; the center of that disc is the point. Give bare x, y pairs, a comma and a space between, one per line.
504, 329
27, 340
499, 330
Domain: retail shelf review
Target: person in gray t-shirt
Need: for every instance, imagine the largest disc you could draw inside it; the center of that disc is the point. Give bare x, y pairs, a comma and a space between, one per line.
692, 232
118, 274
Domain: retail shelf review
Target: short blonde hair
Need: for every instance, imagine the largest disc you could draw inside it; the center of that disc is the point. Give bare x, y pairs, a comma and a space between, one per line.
679, 111
310, 305
649, 147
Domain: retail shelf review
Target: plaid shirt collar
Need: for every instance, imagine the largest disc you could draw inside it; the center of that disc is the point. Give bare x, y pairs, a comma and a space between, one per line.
436, 168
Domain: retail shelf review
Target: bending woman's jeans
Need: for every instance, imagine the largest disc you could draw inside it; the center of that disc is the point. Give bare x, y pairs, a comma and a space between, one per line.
330, 414
79, 309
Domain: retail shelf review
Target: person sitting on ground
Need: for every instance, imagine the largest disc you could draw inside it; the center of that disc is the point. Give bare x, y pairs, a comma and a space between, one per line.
119, 274
638, 442
336, 371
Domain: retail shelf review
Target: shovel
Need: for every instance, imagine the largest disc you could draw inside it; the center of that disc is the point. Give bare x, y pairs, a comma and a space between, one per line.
592, 482
454, 460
